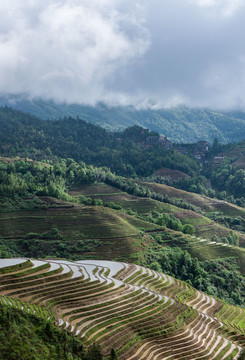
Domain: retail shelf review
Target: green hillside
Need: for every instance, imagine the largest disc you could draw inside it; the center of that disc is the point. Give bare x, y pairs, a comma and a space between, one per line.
180, 124
69, 190
204, 227
27, 136
95, 232
33, 337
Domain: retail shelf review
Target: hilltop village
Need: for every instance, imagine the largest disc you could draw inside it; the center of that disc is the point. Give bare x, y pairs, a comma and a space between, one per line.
199, 150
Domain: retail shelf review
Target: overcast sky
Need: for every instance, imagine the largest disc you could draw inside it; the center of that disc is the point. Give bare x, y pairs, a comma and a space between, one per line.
156, 53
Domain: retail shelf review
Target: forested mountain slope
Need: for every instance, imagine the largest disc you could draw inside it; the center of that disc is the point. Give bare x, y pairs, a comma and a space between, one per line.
27, 136
180, 124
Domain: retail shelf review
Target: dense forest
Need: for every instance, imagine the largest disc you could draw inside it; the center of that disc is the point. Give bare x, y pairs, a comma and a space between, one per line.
27, 136
180, 124
27, 337
220, 278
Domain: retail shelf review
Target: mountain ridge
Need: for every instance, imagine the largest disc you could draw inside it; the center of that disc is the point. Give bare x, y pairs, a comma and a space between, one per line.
181, 124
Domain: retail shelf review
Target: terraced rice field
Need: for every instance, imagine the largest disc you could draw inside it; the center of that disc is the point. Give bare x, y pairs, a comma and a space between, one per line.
205, 203
143, 314
204, 227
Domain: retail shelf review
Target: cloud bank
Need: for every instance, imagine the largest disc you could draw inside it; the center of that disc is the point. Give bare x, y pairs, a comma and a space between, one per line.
148, 53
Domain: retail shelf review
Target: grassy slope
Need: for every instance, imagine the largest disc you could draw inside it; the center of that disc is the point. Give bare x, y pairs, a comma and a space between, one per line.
237, 155
119, 234
204, 227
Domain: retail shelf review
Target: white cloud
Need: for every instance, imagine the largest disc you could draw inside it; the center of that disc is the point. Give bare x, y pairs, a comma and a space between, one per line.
147, 53
67, 49
221, 7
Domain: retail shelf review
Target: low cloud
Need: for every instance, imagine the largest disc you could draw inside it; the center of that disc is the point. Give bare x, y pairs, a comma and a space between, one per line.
147, 54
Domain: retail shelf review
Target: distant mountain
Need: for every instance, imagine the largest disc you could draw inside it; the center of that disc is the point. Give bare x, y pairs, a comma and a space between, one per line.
180, 124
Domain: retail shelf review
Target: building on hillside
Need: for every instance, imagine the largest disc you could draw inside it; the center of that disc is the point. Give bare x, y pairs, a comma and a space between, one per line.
181, 149
152, 140
218, 160
161, 140
202, 147
199, 156
165, 142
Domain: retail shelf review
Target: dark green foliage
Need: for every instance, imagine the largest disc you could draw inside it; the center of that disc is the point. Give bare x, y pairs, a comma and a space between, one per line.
227, 180
52, 234
26, 337
39, 247
23, 135
5, 251
188, 229
181, 124
167, 220
242, 355
225, 280
181, 265
94, 352
220, 277
136, 189
113, 355
235, 223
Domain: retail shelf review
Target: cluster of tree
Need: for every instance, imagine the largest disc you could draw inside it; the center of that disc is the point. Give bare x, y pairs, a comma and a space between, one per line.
241, 355
228, 178
201, 184
47, 179
236, 223
29, 177
220, 277
136, 189
49, 244
86, 200
232, 239
27, 337
198, 184
6, 251
170, 221
26, 136
52, 234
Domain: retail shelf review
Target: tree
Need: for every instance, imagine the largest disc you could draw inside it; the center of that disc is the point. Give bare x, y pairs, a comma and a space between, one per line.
113, 355
94, 352
242, 355
188, 229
